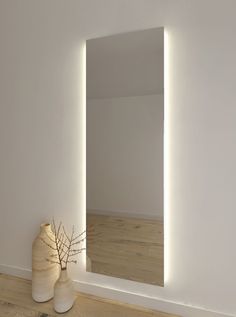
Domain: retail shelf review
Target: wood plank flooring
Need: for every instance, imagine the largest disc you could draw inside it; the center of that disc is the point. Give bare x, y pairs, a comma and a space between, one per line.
130, 248
16, 301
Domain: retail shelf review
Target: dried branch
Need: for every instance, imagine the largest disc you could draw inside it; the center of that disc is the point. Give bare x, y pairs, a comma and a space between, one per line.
62, 242
77, 252
53, 262
79, 241
49, 245
64, 245
65, 233
69, 247
72, 261
79, 236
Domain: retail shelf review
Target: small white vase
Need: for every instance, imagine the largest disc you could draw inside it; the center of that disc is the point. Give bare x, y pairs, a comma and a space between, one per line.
64, 295
44, 273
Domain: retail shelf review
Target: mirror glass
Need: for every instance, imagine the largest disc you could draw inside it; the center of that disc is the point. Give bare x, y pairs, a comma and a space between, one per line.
124, 141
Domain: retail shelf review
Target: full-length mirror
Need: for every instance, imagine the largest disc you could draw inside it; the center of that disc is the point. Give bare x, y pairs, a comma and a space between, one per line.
125, 122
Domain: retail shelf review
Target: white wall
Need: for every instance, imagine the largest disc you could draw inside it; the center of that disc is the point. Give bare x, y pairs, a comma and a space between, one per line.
42, 133
124, 146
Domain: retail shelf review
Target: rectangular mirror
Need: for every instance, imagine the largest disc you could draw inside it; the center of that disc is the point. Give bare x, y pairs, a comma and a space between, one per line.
125, 123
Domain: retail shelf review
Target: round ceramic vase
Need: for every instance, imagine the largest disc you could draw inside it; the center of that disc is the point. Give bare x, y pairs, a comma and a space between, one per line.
44, 273
64, 295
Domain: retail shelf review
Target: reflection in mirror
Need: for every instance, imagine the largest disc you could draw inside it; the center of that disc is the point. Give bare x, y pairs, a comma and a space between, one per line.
125, 110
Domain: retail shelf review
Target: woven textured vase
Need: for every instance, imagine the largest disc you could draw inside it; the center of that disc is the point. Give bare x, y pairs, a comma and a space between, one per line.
64, 295
44, 273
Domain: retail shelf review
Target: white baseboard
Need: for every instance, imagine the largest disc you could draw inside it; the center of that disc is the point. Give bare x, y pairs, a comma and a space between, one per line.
118, 295
15, 271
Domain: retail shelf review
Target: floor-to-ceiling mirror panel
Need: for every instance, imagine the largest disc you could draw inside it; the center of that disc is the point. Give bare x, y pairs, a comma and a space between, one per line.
124, 149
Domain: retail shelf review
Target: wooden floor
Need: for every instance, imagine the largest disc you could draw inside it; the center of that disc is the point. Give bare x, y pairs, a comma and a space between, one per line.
130, 248
16, 301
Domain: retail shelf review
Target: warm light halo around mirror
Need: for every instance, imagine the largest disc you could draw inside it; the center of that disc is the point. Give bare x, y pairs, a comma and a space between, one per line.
125, 125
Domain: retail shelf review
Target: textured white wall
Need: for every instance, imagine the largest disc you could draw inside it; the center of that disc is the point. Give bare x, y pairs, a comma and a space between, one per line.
124, 146
41, 137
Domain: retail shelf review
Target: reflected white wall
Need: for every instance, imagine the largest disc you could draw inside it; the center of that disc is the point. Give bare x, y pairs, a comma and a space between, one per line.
125, 156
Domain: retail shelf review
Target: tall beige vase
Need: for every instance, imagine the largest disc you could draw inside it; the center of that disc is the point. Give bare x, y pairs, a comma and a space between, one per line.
64, 295
44, 273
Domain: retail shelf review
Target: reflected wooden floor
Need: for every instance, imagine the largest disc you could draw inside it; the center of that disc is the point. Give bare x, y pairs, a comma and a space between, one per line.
129, 248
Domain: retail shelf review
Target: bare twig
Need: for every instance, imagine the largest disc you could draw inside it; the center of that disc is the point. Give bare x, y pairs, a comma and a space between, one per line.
79, 236
53, 262
49, 245
64, 245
